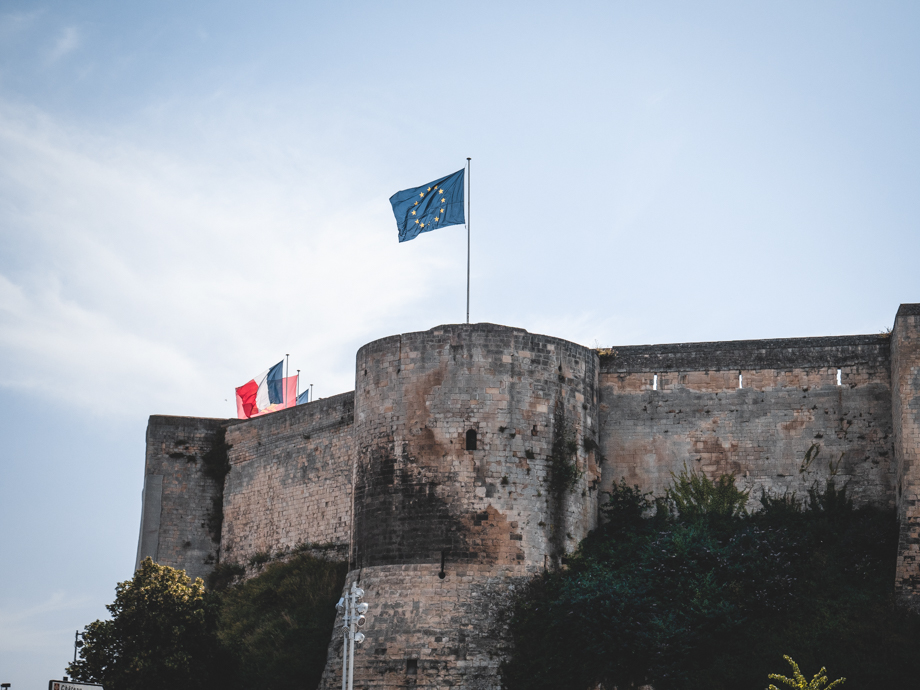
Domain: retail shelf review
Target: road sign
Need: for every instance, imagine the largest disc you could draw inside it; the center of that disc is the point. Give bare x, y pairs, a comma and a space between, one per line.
68, 685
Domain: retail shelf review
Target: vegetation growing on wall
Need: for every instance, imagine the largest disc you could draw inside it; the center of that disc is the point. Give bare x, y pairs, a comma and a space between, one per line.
278, 625
563, 470
269, 632
689, 592
217, 466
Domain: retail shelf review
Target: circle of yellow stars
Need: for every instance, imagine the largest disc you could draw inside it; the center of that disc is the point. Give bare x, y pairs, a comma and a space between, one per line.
438, 190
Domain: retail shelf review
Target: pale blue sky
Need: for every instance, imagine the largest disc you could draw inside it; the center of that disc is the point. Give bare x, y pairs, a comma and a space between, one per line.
188, 193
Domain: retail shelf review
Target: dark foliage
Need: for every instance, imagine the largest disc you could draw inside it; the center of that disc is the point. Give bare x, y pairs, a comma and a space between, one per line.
564, 473
714, 598
161, 635
217, 459
224, 575
269, 632
278, 625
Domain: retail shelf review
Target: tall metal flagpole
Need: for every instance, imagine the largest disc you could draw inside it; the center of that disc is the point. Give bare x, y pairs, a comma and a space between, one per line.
468, 187
287, 372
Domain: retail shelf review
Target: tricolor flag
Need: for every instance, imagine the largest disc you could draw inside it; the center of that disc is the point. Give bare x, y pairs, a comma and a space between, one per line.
267, 392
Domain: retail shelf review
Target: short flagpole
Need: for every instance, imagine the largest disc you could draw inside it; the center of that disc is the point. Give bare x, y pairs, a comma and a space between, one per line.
297, 386
287, 370
468, 188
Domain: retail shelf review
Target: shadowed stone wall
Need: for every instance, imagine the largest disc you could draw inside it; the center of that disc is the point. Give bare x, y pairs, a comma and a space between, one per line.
789, 402
177, 525
489, 514
905, 374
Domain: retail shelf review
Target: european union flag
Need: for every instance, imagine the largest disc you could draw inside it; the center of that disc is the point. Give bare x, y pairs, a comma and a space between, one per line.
429, 207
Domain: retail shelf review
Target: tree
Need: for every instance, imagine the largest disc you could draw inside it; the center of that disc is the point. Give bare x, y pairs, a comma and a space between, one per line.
162, 634
278, 625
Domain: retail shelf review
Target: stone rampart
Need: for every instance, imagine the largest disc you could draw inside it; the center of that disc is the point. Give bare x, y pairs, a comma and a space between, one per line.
290, 480
471, 457
905, 398
772, 412
178, 526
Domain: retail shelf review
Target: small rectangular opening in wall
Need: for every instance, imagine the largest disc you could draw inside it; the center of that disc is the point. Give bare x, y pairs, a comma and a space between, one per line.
411, 667
839, 382
740, 380
655, 382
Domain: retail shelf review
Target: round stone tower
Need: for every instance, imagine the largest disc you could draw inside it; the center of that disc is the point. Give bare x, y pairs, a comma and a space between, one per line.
475, 469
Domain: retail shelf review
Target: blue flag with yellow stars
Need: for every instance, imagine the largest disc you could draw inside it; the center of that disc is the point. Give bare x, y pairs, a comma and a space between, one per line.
429, 207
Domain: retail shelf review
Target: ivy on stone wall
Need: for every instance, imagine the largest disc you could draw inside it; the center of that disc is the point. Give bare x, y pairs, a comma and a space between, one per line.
563, 469
699, 595
217, 466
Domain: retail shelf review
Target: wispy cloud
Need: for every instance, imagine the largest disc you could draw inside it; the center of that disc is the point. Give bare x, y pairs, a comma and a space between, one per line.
67, 42
136, 280
28, 629
13, 23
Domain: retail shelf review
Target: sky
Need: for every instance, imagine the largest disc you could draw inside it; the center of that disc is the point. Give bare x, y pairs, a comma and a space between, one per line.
190, 191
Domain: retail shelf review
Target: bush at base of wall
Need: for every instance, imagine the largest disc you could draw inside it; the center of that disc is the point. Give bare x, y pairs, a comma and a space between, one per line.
715, 601
269, 632
279, 623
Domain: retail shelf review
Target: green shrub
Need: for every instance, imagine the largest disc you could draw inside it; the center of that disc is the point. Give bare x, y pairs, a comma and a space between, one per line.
278, 625
798, 681
271, 632
161, 634
694, 495
685, 603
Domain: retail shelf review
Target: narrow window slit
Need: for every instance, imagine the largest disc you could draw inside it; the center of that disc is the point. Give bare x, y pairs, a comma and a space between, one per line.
839, 382
655, 382
411, 667
740, 380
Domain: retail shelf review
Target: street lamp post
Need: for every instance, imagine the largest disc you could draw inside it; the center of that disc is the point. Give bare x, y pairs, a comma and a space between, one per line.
352, 619
77, 644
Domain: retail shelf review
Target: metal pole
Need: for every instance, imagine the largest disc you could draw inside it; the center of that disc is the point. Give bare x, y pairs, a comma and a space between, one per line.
297, 386
468, 188
311, 393
351, 635
345, 647
287, 370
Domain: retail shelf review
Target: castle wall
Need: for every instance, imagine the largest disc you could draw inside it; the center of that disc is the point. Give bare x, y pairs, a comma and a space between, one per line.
440, 535
290, 480
490, 515
905, 399
789, 402
179, 498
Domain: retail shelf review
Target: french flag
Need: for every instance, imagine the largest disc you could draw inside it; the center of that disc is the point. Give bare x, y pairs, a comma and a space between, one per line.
267, 392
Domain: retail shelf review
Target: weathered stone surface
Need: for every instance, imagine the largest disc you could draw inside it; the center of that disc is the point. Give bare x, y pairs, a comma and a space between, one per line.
428, 632
905, 402
181, 510
289, 480
385, 475
489, 515
788, 402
